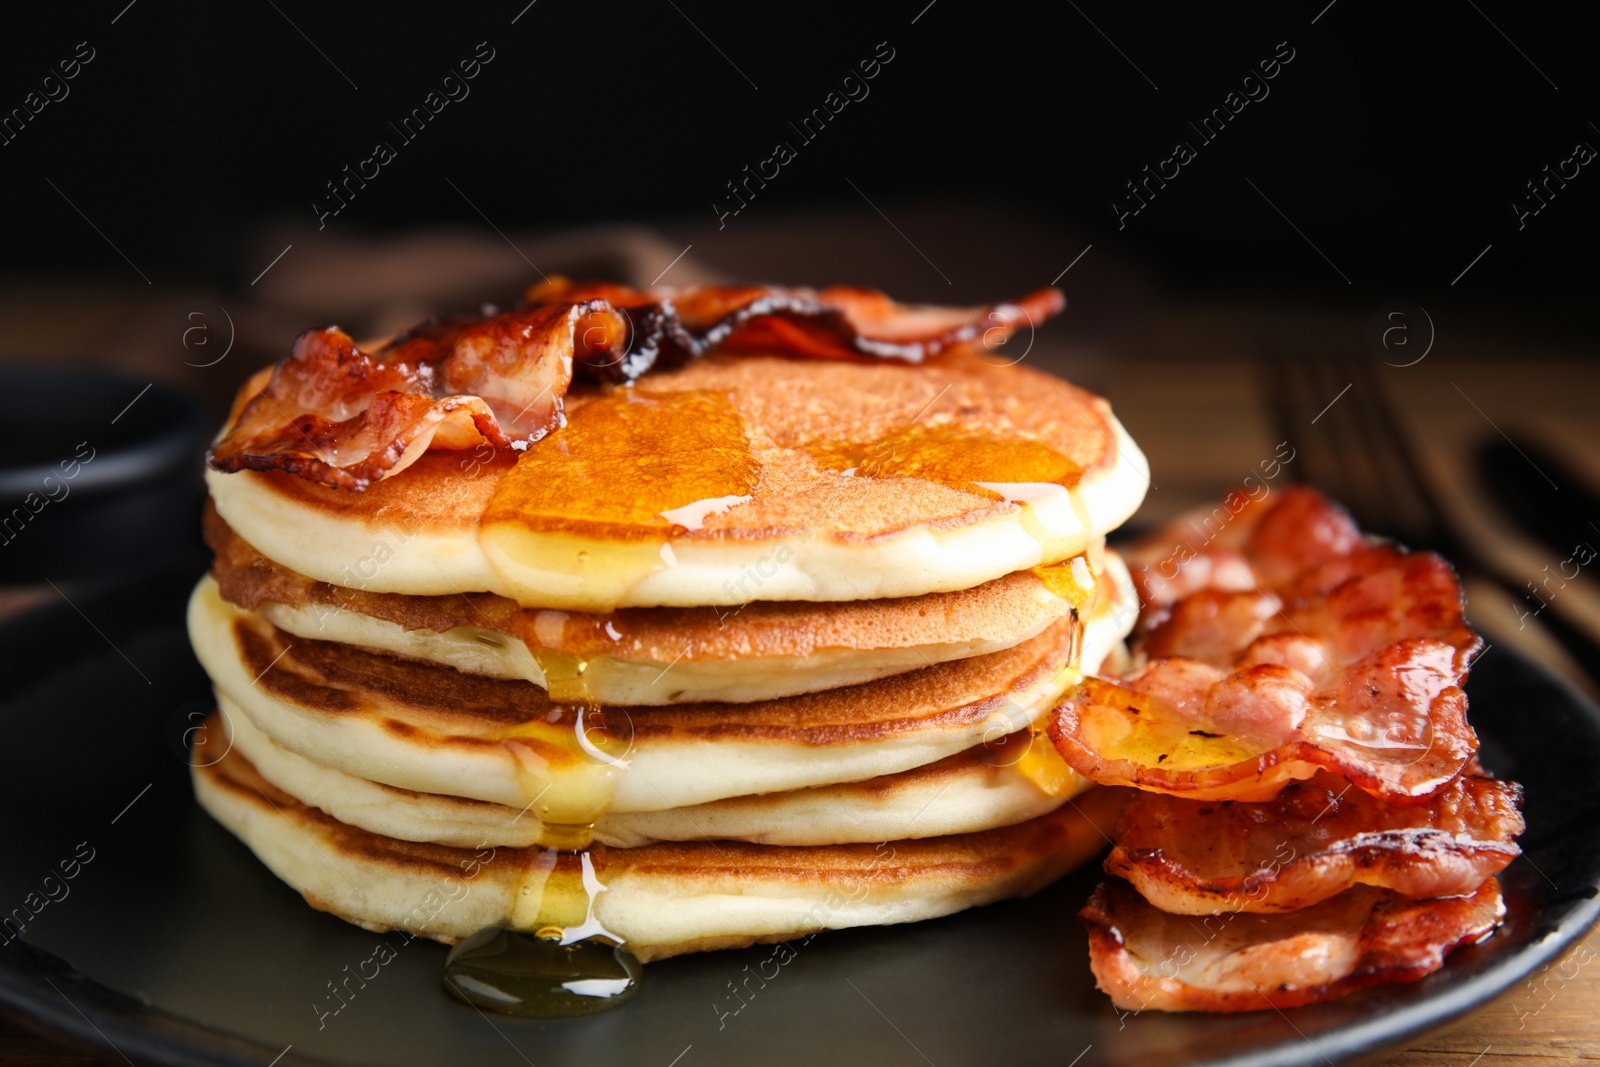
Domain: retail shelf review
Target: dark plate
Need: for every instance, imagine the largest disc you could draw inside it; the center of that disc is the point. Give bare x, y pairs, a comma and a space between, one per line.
176, 946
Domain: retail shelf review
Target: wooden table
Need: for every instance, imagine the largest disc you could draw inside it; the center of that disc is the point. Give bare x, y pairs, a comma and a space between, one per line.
1186, 384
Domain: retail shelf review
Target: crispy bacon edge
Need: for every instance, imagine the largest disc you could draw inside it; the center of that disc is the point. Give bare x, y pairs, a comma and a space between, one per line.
840, 322
1400, 940
1451, 742
1159, 839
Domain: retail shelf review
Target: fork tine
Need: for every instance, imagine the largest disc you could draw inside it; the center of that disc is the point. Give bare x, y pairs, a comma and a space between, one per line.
1364, 452
1350, 443
1419, 519
1330, 430
1300, 395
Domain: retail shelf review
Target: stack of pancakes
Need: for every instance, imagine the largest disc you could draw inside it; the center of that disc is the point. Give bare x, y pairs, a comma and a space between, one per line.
748, 649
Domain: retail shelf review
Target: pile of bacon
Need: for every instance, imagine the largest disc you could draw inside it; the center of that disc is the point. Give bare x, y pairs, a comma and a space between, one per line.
1305, 813
335, 414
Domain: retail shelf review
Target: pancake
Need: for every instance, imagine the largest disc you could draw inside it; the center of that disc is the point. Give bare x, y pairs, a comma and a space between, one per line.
733, 479
1018, 778
437, 730
660, 900
654, 656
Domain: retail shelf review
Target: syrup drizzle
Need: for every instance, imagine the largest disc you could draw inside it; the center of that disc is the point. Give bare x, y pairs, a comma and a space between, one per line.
598, 530
589, 513
1016, 470
568, 765
534, 975
949, 454
1075, 581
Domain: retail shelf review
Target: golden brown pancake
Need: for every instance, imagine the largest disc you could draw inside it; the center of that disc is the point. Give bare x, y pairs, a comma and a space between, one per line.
656, 656
1017, 778
733, 479
660, 900
433, 729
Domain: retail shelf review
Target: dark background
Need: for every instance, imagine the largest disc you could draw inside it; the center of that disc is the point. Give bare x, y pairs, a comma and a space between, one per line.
1395, 140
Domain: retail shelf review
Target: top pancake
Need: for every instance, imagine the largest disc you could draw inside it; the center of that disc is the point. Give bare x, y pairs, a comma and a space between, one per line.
730, 480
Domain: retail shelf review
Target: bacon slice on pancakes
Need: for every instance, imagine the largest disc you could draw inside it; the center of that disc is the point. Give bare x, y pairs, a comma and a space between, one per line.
1144, 958
834, 323
1311, 842
1289, 645
335, 414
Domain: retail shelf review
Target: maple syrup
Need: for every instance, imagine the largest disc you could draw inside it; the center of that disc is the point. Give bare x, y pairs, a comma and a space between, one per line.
517, 973
1072, 580
1017, 470
949, 455
588, 512
569, 965
1043, 766
568, 762
1142, 730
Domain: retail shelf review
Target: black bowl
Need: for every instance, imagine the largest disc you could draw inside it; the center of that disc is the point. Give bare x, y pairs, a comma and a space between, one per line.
99, 474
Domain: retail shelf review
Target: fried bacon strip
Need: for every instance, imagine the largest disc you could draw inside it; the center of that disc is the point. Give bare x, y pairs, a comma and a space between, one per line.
1290, 644
1311, 842
335, 414
1146, 959
1242, 543
840, 322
